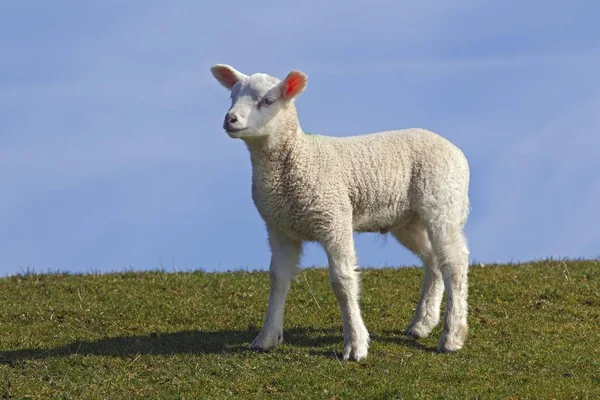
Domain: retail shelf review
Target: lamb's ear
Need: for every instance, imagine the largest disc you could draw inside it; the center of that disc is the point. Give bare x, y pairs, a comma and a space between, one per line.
293, 84
226, 75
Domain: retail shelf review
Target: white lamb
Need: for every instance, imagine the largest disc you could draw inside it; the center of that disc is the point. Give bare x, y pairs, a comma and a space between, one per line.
411, 183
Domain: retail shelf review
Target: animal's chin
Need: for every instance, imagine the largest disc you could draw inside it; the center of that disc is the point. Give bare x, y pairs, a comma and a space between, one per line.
235, 133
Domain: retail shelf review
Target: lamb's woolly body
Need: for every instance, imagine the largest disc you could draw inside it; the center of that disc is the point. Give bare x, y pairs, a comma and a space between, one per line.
303, 184
411, 183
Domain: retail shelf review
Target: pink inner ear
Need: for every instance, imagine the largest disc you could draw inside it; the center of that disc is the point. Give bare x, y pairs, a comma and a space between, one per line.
293, 85
227, 76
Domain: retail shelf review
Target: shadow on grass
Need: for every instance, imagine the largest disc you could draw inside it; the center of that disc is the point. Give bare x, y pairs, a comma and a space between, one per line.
190, 342
399, 337
395, 338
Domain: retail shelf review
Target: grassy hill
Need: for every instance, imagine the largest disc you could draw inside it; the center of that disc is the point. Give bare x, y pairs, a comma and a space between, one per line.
535, 333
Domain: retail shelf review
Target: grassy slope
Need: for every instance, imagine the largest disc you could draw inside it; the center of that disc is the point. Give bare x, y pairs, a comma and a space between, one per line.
535, 332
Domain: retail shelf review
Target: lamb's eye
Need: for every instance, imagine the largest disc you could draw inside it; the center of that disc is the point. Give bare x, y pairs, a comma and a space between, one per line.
267, 101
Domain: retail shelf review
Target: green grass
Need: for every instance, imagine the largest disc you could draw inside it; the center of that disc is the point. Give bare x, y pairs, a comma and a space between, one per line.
534, 333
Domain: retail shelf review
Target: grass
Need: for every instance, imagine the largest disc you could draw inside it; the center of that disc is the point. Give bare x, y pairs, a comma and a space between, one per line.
534, 333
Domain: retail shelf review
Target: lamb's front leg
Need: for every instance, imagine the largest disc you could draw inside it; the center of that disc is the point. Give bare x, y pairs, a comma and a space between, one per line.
346, 286
284, 260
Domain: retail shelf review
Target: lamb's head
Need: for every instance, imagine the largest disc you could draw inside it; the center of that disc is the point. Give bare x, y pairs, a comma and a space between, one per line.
260, 104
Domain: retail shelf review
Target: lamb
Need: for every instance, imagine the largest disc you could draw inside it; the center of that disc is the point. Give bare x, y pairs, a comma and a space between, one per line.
411, 183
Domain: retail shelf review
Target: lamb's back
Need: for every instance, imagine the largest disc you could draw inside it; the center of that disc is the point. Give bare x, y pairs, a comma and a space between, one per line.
387, 175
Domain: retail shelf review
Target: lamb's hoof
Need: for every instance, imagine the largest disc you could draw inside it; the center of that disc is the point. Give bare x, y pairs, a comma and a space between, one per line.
267, 341
449, 346
356, 351
452, 343
417, 330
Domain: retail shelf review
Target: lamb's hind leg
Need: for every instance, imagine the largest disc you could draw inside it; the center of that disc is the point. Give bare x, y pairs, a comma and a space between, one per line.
427, 315
450, 248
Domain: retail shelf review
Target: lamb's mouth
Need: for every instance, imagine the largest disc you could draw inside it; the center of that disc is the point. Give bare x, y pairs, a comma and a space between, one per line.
231, 132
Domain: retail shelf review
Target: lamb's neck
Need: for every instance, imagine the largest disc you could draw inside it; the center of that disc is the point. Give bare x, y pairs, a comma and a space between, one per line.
278, 148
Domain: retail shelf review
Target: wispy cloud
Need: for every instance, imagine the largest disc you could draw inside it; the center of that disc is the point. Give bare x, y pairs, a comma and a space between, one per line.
540, 190
444, 66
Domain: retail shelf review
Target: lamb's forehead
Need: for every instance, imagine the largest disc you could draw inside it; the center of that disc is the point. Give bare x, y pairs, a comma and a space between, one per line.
256, 85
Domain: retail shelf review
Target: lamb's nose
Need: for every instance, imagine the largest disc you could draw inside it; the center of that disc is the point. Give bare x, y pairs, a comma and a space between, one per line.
231, 118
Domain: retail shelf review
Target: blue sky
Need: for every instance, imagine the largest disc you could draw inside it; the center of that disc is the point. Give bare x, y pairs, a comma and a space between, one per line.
112, 154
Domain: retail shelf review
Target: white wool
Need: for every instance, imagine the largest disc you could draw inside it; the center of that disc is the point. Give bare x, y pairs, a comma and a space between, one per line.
411, 183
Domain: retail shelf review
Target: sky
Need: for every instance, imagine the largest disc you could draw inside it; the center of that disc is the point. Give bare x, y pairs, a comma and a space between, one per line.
112, 154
